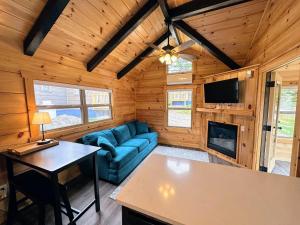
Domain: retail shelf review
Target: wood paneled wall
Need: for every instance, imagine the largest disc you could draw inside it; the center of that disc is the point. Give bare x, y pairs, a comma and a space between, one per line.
277, 42
15, 68
278, 32
15, 107
151, 107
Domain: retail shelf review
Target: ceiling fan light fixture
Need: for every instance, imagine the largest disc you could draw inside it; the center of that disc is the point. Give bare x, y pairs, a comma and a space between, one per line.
174, 58
168, 62
170, 54
167, 57
162, 59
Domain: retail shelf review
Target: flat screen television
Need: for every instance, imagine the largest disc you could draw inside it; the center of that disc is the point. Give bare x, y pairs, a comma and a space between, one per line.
226, 91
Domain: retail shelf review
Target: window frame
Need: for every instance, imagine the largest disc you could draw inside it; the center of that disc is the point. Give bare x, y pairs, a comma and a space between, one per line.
83, 106
184, 72
87, 106
191, 89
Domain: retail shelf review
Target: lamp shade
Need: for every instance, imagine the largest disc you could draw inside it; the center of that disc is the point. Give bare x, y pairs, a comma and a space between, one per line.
41, 118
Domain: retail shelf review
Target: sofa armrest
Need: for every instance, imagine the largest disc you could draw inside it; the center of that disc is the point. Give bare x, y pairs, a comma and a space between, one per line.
104, 155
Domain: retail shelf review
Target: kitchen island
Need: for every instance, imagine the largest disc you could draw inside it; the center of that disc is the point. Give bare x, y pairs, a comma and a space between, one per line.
167, 190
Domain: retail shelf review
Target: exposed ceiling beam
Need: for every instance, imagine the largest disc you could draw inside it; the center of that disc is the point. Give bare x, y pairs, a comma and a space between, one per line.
165, 10
130, 26
196, 7
141, 56
194, 35
42, 25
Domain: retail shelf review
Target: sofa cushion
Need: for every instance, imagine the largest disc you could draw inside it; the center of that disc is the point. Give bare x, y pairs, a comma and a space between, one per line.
121, 133
124, 155
138, 143
141, 127
108, 134
92, 138
105, 144
149, 136
132, 128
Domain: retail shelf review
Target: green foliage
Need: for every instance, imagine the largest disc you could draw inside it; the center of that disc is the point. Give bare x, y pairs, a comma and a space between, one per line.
288, 102
288, 99
287, 122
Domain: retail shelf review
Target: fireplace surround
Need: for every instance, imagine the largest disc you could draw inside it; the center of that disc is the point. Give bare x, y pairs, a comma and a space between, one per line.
223, 138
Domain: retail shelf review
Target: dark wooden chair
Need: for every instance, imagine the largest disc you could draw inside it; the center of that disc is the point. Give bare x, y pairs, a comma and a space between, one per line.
38, 188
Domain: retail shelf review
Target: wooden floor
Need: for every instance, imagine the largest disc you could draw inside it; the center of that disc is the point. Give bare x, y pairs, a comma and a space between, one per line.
80, 195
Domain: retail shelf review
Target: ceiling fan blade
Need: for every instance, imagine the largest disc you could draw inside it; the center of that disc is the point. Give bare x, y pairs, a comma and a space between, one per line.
187, 57
184, 46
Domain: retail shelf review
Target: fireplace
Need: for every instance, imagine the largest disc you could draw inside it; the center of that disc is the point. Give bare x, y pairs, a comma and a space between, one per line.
222, 138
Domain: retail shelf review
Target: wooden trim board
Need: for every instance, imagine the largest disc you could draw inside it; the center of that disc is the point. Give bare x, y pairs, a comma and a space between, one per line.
31, 147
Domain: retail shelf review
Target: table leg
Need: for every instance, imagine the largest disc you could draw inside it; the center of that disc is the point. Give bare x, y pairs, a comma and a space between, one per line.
96, 182
57, 207
12, 204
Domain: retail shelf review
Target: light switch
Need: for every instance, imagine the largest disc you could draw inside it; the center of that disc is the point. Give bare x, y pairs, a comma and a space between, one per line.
242, 128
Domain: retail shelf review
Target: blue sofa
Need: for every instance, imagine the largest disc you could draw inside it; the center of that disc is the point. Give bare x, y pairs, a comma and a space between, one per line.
122, 149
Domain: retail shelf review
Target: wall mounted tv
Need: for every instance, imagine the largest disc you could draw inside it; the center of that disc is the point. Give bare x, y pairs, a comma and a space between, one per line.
226, 91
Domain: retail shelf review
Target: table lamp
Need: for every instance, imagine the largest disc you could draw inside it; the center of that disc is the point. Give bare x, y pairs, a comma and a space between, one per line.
41, 118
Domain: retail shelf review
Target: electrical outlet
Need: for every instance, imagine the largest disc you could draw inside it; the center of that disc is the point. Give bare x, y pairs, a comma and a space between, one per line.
3, 191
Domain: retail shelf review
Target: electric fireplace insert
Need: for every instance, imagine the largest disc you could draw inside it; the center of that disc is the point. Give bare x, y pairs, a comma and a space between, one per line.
222, 138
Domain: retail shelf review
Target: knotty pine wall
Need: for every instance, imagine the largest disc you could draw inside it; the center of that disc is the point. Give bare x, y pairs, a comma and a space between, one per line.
278, 32
276, 35
16, 102
151, 107
277, 41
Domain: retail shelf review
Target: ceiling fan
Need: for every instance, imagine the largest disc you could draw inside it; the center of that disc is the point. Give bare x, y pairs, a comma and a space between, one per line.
169, 54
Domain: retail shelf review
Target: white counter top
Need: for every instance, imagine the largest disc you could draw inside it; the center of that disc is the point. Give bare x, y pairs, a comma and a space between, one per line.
180, 191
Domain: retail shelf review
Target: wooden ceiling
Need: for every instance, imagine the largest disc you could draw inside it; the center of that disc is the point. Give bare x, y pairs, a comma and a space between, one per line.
232, 29
86, 25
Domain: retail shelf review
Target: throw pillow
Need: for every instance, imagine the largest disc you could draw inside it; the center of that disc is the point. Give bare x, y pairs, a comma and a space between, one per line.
141, 127
121, 133
91, 138
108, 134
105, 144
132, 129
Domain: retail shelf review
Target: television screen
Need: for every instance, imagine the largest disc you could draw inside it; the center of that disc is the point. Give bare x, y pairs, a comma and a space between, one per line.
226, 91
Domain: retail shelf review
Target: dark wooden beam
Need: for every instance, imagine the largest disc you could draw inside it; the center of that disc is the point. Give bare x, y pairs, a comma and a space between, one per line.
196, 7
165, 10
130, 26
194, 35
43, 24
141, 56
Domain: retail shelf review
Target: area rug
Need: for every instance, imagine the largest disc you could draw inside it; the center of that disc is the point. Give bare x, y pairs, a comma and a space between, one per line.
168, 151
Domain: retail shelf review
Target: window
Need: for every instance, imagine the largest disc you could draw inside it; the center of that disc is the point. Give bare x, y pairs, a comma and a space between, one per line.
287, 111
180, 66
180, 108
70, 105
98, 105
